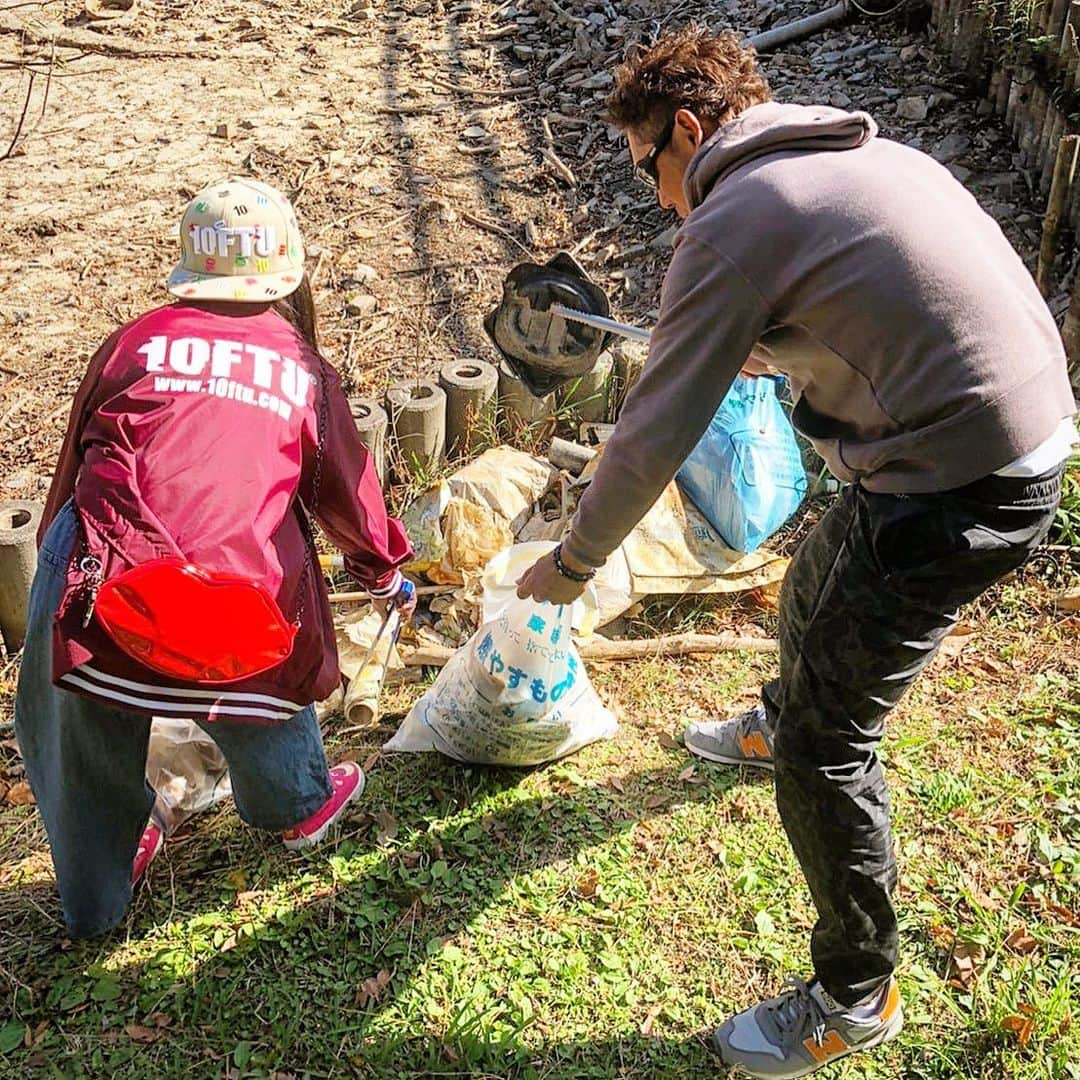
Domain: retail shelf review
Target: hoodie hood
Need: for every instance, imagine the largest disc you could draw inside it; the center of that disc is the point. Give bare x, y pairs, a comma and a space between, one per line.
772, 128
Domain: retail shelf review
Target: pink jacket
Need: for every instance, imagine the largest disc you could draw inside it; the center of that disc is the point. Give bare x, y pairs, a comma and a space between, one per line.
194, 432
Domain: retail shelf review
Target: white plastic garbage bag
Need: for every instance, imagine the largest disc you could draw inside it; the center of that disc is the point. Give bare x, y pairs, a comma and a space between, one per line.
516, 693
186, 770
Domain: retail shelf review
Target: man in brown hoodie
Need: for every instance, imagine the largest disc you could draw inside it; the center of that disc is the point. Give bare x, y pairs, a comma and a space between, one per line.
929, 374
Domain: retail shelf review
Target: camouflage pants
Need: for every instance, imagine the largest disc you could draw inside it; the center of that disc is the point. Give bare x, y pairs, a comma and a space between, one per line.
865, 604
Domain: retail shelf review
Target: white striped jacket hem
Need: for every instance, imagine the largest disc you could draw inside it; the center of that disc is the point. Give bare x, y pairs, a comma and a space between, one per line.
170, 700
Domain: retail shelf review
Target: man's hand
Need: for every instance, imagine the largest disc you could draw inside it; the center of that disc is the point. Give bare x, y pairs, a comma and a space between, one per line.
543, 582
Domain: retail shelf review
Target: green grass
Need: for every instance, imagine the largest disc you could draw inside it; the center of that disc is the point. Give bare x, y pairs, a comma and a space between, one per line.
595, 918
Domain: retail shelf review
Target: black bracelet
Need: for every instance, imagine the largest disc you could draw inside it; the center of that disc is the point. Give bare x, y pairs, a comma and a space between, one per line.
565, 570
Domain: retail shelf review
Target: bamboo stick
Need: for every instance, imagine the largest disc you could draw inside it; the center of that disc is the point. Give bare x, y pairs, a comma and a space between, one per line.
1053, 129
1060, 190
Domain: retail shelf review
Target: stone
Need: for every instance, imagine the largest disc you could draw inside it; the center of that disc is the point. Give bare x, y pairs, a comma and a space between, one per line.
962, 173
475, 132
364, 274
224, 131
361, 305
839, 100
600, 81
909, 53
663, 241
523, 52
520, 77
912, 108
953, 146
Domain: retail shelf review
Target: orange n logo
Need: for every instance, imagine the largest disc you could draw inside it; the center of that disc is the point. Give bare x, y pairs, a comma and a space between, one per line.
829, 1047
753, 745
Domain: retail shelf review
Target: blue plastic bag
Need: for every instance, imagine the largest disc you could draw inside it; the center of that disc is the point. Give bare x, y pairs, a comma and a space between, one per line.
746, 474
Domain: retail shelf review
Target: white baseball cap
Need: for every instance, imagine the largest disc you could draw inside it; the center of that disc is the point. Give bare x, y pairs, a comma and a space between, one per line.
239, 241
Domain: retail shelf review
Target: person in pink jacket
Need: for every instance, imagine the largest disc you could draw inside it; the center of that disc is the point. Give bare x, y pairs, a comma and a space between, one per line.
177, 574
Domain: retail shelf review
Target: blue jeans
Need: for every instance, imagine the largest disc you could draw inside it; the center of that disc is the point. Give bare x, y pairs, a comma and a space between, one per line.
86, 763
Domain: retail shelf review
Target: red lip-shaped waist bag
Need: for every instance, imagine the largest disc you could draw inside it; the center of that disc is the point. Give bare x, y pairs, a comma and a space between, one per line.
193, 624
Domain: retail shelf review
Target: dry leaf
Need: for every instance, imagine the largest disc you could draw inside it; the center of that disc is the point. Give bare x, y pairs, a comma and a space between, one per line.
372, 989
32, 1038
20, 794
586, 884
654, 802
966, 958
138, 1033
686, 773
1064, 914
1021, 1027
369, 762
160, 1019
228, 944
669, 743
1021, 941
386, 827
646, 1028
615, 783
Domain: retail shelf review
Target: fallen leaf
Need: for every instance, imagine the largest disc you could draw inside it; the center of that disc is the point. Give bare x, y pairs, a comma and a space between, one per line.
20, 794
370, 760
654, 802
966, 958
615, 783
1064, 914
686, 773
646, 1028
228, 944
669, 742
1021, 941
34, 1037
372, 989
386, 827
1021, 1027
160, 1019
138, 1033
586, 884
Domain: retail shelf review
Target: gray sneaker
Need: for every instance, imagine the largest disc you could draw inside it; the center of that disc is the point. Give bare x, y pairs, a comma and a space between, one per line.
744, 740
804, 1029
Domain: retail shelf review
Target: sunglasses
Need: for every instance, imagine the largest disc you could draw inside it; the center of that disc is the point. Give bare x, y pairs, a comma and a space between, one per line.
645, 170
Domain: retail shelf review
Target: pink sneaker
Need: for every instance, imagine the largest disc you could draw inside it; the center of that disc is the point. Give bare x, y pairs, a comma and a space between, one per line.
348, 781
150, 843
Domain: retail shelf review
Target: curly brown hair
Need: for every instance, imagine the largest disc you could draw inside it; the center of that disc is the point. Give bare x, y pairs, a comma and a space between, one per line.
715, 76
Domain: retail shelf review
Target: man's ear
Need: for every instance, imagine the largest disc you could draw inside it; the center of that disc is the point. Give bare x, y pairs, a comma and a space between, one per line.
691, 126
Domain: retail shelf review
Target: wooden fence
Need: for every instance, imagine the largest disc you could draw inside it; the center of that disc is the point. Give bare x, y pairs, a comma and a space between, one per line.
1026, 54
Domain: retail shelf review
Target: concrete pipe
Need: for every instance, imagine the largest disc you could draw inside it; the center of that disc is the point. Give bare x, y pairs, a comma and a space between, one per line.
471, 388
370, 419
585, 399
19, 521
519, 407
630, 359
417, 412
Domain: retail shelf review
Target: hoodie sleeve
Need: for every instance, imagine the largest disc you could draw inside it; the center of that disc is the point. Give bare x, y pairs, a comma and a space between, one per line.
351, 509
710, 318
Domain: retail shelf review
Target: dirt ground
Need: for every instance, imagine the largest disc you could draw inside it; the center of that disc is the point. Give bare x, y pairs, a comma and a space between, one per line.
411, 138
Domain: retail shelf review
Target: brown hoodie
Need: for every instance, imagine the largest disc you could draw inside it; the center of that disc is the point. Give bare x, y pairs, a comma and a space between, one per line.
921, 355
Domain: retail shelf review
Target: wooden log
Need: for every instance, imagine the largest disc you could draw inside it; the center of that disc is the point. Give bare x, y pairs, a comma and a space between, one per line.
51, 33
1060, 191
601, 649
1053, 129
1070, 335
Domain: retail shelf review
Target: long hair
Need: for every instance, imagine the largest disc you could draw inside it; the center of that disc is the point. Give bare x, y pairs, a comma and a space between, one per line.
298, 308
